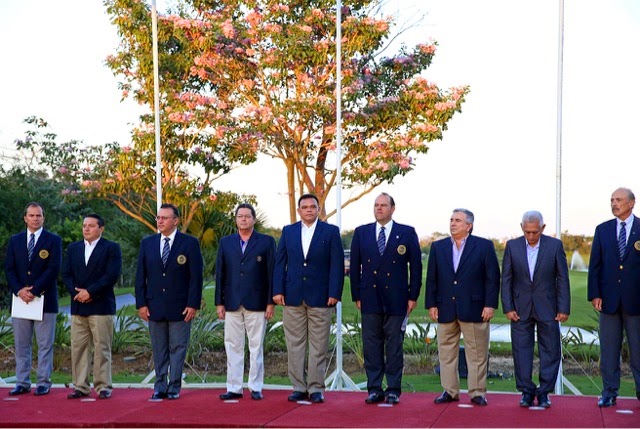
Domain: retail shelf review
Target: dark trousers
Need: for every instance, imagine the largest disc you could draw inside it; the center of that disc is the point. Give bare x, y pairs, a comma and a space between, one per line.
169, 342
382, 339
611, 326
549, 349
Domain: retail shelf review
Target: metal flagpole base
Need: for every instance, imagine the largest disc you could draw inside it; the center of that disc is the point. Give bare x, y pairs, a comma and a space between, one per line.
339, 380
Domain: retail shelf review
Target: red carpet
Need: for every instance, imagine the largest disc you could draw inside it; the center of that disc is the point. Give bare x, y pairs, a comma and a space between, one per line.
202, 408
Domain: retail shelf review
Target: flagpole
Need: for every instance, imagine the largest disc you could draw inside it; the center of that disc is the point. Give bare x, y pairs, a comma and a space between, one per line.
156, 103
338, 380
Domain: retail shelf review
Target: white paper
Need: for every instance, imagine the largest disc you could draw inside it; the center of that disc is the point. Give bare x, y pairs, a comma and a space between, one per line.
32, 311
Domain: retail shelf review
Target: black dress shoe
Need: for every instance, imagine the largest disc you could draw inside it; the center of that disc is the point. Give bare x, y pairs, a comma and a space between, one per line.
445, 398
19, 390
316, 397
256, 396
41, 390
173, 396
230, 395
77, 394
527, 400
298, 396
392, 399
606, 401
479, 400
158, 395
543, 401
105, 394
374, 398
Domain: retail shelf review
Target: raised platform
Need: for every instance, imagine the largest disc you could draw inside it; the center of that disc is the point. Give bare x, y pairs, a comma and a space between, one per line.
130, 407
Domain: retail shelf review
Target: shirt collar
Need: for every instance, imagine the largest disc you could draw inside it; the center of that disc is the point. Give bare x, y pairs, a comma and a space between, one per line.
171, 237
627, 222
86, 243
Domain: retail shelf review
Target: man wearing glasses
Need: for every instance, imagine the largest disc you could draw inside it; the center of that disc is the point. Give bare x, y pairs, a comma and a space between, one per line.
244, 269
168, 294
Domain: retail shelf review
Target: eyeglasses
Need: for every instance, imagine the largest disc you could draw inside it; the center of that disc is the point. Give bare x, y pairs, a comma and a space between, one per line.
165, 217
244, 216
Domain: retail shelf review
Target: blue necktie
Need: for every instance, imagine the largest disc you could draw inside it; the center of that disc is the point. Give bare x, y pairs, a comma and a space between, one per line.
165, 251
382, 239
243, 245
622, 239
31, 246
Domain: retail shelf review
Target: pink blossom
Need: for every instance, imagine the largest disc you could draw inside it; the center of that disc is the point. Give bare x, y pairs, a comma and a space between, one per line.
254, 18
306, 28
63, 170
427, 49
405, 163
126, 149
227, 29
212, 197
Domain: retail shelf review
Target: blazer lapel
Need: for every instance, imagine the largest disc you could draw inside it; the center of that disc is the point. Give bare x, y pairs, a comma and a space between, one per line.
392, 241
316, 236
253, 240
541, 250
468, 248
87, 269
634, 236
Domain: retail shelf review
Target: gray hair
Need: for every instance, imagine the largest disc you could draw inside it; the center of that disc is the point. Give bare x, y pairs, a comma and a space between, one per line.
628, 192
467, 213
532, 216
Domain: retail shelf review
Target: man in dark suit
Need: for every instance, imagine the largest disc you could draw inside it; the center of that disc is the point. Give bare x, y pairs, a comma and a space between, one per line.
168, 295
463, 283
386, 271
535, 297
244, 274
32, 265
614, 291
309, 275
90, 271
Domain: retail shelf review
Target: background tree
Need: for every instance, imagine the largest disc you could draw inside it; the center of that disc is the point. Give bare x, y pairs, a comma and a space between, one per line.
242, 77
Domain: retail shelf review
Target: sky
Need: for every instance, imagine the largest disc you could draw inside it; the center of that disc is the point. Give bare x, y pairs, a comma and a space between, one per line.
498, 158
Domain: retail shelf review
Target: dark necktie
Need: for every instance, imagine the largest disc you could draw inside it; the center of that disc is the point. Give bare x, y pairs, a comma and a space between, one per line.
381, 240
622, 239
165, 251
31, 245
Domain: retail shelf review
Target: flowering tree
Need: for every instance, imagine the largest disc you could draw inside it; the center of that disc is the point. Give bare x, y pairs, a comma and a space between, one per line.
242, 77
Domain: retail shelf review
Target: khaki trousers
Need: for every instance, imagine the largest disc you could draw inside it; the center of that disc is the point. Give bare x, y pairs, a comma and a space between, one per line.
476, 347
304, 323
94, 330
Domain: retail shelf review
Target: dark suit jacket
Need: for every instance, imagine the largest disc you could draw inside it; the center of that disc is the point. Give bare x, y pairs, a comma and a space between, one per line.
98, 277
384, 284
317, 277
41, 273
245, 279
548, 293
462, 295
167, 291
615, 281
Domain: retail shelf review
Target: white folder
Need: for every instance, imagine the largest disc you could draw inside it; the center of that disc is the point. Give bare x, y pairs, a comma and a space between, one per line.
32, 311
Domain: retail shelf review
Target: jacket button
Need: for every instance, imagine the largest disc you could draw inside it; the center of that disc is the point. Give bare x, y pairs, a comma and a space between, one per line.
304, 278
304, 265
164, 274
29, 272
388, 274
375, 273
455, 282
621, 267
374, 285
454, 298
164, 290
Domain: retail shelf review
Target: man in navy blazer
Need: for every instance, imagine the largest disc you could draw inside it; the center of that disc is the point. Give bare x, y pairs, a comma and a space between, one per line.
614, 290
463, 283
168, 294
90, 271
307, 280
243, 298
32, 265
535, 297
386, 271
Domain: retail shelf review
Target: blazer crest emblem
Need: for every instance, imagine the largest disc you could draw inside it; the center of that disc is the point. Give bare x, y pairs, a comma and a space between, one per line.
182, 259
402, 249
44, 254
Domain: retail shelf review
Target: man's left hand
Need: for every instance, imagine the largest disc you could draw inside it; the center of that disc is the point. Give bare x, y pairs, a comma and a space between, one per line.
562, 317
411, 306
487, 314
331, 302
82, 296
189, 313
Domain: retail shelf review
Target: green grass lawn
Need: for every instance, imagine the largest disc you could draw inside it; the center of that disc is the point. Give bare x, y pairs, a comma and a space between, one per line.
582, 313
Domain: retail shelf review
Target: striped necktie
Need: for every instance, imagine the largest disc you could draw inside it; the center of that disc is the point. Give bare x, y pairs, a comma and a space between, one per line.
165, 251
382, 240
31, 245
622, 239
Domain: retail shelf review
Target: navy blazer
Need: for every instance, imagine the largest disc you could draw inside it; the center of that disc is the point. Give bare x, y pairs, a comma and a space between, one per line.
98, 277
549, 292
41, 272
245, 279
385, 283
167, 291
462, 295
317, 277
616, 281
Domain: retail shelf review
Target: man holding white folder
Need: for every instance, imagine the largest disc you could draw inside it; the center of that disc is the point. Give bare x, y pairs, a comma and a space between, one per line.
32, 264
